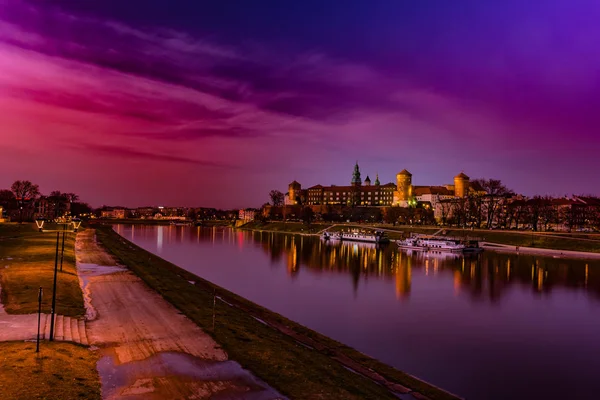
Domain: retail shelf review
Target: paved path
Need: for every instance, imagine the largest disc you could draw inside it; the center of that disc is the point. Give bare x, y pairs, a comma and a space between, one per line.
149, 349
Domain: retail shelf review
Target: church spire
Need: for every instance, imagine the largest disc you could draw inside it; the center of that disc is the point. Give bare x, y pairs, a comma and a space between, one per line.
377, 180
356, 181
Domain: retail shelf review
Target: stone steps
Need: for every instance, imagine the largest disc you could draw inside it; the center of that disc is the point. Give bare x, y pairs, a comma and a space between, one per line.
75, 330
82, 333
65, 329
59, 330
46, 335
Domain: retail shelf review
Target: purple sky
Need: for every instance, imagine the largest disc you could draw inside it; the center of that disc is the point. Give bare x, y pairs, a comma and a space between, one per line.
183, 103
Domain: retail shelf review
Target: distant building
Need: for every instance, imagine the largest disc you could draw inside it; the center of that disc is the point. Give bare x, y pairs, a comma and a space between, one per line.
114, 213
247, 214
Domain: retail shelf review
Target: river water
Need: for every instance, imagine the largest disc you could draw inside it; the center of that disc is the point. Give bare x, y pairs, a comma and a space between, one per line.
492, 326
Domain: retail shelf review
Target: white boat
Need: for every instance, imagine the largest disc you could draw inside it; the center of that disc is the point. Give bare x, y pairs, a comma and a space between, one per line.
431, 243
375, 237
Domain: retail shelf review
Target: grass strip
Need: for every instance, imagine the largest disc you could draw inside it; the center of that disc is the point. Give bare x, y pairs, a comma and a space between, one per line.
27, 262
59, 371
296, 370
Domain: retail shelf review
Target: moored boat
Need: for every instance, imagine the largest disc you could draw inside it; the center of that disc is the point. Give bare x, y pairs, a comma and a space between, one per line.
355, 236
427, 243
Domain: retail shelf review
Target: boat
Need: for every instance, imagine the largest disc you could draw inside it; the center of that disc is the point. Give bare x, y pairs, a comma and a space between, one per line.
180, 223
355, 236
432, 243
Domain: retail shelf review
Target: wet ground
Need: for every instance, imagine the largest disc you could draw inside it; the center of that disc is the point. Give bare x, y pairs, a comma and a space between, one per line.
150, 350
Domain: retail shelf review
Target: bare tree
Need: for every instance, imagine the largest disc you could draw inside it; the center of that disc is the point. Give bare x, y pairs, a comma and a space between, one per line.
276, 198
476, 210
496, 193
25, 193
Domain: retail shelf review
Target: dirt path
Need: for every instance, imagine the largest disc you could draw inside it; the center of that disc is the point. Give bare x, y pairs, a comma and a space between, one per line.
149, 349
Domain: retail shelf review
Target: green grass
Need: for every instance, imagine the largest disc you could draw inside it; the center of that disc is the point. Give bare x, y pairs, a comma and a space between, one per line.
27, 262
275, 357
60, 371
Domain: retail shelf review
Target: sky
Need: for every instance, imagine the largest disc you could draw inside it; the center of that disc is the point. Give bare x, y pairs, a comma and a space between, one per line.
215, 103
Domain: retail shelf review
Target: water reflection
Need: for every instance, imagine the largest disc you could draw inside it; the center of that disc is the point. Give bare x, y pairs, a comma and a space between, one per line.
486, 276
482, 276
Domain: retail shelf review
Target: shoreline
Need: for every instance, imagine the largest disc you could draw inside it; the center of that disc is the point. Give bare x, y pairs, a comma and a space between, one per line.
487, 245
272, 334
505, 248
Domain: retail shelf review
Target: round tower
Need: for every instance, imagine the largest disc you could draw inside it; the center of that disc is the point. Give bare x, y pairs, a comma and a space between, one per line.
404, 185
461, 185
293, 192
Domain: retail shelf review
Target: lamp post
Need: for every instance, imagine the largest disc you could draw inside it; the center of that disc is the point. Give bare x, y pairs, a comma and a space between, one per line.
40, 225
52, 309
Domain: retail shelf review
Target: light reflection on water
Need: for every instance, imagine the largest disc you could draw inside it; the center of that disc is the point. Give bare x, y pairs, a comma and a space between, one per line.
492, 326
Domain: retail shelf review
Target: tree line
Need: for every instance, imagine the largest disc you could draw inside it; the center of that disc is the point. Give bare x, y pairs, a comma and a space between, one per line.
23, 200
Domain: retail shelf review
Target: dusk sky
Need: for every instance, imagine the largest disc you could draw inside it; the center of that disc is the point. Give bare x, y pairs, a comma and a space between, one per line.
215, 103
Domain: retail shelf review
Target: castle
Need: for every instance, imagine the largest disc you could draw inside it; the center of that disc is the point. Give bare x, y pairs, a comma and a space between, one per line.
362, 193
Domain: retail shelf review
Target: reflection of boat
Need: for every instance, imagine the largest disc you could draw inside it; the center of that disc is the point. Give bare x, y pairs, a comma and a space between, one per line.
427, 243
326, 236
375, 237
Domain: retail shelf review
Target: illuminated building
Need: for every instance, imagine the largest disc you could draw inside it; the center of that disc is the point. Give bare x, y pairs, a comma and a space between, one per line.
402, 193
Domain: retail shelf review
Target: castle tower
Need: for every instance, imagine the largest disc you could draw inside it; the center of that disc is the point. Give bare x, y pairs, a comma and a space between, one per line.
377, 180
367, 181
461, 185
356, 181
404, 186
294, 189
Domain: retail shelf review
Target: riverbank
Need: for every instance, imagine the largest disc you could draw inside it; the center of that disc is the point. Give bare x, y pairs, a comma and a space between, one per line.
542, 243
295, 360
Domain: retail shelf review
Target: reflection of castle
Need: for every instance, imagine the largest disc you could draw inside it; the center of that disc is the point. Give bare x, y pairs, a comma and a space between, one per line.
402, 193
487, 276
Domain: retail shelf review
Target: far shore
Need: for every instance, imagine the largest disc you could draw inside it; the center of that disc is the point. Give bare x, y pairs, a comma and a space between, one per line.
557, 245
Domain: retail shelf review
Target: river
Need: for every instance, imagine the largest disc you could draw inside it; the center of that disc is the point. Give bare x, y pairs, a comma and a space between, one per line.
491, 326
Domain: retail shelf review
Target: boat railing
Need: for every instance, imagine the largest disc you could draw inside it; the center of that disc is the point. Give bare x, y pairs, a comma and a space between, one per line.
451, 238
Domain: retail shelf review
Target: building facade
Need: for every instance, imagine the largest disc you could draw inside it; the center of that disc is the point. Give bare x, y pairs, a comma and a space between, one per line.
362, 193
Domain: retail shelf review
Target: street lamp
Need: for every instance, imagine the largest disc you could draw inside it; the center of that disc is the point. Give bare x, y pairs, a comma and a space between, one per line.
40, 224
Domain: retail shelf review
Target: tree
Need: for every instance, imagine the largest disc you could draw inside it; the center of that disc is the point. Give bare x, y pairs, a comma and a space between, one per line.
276, 198
79, 208
7, 199
496, 191
25, 193
307, 215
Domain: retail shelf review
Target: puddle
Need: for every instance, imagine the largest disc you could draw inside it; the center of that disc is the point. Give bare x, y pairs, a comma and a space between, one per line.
240, 383
87, 271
